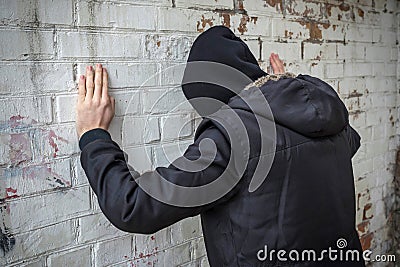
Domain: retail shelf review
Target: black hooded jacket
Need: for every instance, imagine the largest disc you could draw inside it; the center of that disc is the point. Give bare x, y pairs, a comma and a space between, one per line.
307, 199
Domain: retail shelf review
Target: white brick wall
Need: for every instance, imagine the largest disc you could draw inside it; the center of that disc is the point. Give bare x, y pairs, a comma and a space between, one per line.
49, 215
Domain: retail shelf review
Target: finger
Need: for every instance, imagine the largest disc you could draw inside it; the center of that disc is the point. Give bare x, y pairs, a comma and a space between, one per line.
105, 83
81, 88
98, 82
274, 65
112, 103
279, 64
89, 83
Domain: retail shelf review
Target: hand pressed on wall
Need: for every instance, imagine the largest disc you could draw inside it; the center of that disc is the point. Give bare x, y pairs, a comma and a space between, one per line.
95, 107
277, 64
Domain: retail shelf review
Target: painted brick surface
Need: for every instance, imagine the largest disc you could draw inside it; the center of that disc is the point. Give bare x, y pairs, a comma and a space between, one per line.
48, 214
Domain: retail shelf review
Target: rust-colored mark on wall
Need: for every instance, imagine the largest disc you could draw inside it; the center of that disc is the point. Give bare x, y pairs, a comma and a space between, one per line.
240, 5
254, 19
226, 19
275, 3
367, 208
288, 34
158, 43
313, 27
355, 94
361, 12
243, 24
366, 241
363, 227
201, 25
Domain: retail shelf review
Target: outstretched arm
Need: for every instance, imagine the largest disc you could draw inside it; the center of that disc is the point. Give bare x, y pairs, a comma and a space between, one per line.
122, 200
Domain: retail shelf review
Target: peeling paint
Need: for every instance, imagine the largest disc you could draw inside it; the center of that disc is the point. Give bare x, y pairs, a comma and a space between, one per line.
52, 137
202, 24
243, 24
226, 19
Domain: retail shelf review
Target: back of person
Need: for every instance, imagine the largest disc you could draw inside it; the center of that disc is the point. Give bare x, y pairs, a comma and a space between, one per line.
307, 200
293, 203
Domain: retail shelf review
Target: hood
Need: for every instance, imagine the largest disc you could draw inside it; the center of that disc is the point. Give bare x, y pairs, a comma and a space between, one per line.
304, 104
218, 44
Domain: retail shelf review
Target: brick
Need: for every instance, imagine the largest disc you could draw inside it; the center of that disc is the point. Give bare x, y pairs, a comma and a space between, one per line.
289, 29
78, 174
26, 44
220, 4
336, 31
162, 101
334, 70
254, 45
53, 207
116, 15
176, 126
115, 129
92, 45
25, 111
381, 85
148, 246
37, 78
43, 11
113, 251
353, 69
349, 85
65, 107
140, 158
139, 130
128, 75
167, 47
125, 104
185, 230
358, 34
255, 7
36, 178
288, 52
96, 227
378, 53
177, 255
243, 25
350, 51
167, 153
319, 51
172, 74
186, 20
76, 257
54, 141
317, 70
14, 149
40, 241
199, 248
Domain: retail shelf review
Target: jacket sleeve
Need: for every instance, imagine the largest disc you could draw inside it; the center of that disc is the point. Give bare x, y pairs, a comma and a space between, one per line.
124, 202
353, 138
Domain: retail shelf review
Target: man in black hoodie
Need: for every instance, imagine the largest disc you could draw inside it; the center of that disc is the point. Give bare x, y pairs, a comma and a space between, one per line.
276, 150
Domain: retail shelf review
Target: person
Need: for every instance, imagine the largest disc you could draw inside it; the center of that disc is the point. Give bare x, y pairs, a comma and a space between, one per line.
306, 201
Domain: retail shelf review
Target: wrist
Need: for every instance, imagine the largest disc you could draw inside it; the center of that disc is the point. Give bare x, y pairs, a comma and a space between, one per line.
91, 135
